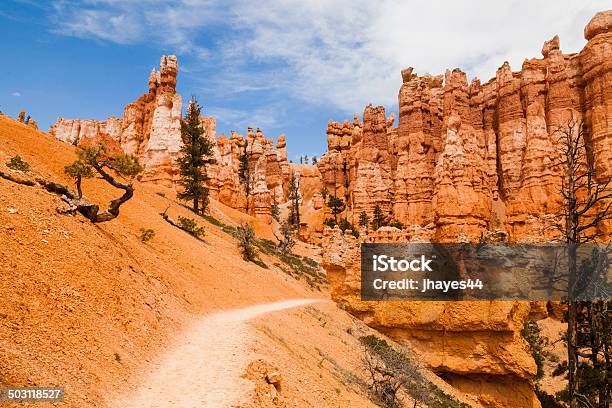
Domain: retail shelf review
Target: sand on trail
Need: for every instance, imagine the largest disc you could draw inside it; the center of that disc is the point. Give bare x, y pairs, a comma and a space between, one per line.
204, 366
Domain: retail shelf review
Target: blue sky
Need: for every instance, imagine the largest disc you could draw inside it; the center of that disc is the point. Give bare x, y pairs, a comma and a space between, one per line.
286, 66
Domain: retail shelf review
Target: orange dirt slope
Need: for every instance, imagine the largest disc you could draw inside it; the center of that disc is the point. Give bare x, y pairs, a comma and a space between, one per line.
82, 305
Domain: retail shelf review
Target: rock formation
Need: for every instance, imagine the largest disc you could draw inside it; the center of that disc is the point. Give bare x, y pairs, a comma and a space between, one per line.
476, 346
268, 167
467, 162
150, 129
469, 158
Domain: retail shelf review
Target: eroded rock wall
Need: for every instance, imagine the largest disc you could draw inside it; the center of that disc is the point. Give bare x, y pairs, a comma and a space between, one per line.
268, 168
474, 345
469, 158
468, 162
149, 129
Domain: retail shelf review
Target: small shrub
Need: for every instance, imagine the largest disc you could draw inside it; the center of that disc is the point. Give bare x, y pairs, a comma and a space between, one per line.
531, 333
191, 226
364, 220
324, 193
246, 241
397, 224
547, 400
330, 222
346, 225
146, 234
17, 163
287, 241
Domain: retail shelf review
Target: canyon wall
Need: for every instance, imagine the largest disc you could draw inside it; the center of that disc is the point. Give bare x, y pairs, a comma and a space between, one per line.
476, 346
268, 168
467, 162
470, 158
150, 129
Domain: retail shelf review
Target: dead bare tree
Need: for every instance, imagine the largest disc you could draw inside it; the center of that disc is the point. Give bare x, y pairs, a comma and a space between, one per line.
587, 203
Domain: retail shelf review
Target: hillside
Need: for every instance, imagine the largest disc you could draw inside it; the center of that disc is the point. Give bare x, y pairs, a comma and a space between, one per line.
79, 297
92, 308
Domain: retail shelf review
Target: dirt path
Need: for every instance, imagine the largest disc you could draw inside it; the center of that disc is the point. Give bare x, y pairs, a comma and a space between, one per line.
204, 369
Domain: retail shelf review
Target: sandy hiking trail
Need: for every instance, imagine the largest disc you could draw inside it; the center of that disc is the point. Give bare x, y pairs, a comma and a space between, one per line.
204, 366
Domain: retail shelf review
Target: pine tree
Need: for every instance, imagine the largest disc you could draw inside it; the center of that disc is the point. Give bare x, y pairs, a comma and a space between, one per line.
314, 160
324, 193
286, 242
378, 219
364, 220
345, 173
294, 198
336, 205
275, 212
196, 153
244, 173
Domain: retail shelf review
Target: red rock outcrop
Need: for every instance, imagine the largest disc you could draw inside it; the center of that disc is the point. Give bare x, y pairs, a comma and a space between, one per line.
150, 129
469, 158
468, 161
475, 345
268, 166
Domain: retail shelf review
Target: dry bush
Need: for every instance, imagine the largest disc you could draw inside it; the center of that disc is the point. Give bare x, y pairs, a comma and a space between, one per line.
246, 241
146, 234
17, 163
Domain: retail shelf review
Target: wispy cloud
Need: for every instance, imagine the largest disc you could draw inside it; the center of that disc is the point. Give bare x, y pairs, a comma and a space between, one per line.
338, 53
173, 23
16, 94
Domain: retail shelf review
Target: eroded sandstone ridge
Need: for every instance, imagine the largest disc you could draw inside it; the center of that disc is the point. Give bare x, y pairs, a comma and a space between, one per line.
268, 168
469, 158
467, 162
150, 129
476, 346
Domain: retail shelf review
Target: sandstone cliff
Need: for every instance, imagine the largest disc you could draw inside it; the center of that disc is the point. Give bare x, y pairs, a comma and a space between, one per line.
268, 168
468, 158
476, 346
467, 162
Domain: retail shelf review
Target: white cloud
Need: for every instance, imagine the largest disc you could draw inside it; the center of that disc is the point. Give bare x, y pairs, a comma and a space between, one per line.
340, 53
16, 94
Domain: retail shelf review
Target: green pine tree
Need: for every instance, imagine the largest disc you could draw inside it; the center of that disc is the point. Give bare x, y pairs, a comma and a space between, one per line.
196, 153
364, 220
336, 205
378, 219
244, 173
